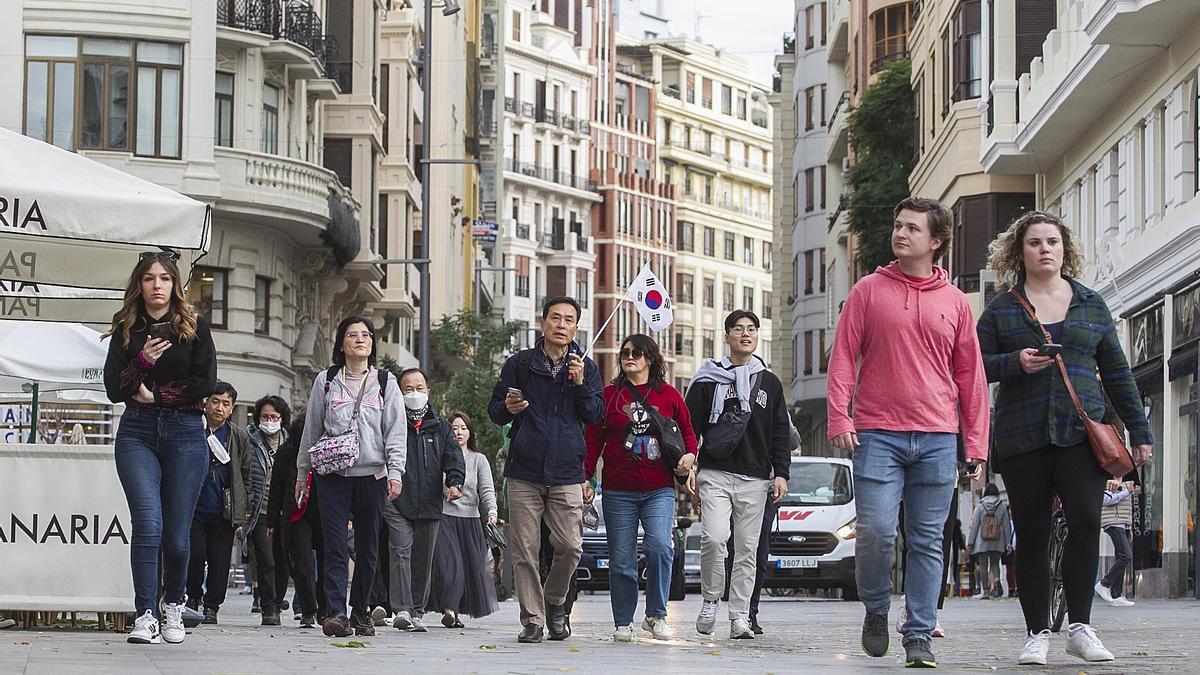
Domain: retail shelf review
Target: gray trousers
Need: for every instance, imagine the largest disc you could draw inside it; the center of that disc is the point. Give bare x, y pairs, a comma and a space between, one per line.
410, 563
726, 498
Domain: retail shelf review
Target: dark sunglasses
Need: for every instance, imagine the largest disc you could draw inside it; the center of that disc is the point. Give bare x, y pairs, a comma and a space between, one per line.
172, 255
633, 353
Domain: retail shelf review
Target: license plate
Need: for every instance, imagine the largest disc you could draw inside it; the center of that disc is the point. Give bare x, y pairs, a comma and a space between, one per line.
602, 563
790, 563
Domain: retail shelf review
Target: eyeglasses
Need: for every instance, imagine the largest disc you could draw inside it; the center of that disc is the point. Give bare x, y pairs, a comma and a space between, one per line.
271, 418
354, 334
172, 255
633, 353
744, 330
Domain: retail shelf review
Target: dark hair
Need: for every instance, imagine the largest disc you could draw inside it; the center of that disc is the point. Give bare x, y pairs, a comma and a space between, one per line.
460, 415
224, 388
278, 404
658, 365
739, 314
561, 300
409, 371
941, 223
991, 490
339, 357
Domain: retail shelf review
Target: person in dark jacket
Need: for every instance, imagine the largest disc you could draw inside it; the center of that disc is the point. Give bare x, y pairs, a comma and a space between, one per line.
162, 364
297, 528
223, 505
434, 460
988, 544
547, 393
267, 432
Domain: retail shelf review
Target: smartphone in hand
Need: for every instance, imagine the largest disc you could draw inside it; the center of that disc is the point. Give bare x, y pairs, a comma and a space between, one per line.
161, 330
513, 391
1049, 349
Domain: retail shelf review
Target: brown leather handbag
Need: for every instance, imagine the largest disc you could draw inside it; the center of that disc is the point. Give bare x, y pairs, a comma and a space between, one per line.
1108, 447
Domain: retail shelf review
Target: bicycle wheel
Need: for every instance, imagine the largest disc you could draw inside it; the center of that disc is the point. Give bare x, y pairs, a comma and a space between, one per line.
1058, 597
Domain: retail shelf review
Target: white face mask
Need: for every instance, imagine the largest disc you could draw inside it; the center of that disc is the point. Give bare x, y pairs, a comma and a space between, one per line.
270, 427
415, 400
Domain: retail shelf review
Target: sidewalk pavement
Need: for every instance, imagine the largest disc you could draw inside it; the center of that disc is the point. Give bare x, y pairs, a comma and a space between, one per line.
801, 636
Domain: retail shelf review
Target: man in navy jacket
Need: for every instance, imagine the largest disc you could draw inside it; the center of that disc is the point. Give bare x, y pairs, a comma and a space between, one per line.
548, 393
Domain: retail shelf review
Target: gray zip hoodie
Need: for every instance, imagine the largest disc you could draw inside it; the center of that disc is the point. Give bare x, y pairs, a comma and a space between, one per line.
382, 425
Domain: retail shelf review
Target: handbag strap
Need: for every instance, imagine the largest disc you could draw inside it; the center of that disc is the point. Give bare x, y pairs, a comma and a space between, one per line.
1057, 357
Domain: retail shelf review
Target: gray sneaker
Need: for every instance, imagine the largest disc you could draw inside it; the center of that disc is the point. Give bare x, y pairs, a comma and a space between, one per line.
739, 629
402, 621
418, 625
707, 618
875, 640
917, 654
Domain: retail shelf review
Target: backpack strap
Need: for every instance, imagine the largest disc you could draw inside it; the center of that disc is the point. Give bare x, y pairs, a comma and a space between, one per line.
329, 375
382, 374
524, 366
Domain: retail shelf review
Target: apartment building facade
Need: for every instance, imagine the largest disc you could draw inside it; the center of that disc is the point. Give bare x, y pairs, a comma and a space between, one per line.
1122, 172
715, 148
228, 103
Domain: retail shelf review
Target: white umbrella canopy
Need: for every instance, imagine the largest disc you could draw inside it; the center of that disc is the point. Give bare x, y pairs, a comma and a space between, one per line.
57, 356
69, 221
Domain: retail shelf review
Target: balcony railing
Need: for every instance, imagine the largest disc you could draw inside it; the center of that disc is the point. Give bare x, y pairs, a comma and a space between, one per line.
672, 90
567, 122
302, 25
295, 21
581, 243
511, 104
837, 108
260, 16
526, 110
521, 230
895, 54
707, 102
550, 175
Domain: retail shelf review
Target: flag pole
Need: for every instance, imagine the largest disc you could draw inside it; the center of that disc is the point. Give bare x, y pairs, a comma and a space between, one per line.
600, 332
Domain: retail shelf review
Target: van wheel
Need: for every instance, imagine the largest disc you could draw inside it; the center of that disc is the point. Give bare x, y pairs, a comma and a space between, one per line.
850, 593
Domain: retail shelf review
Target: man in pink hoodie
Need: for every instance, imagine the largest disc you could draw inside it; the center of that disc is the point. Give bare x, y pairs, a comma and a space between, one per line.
905, 378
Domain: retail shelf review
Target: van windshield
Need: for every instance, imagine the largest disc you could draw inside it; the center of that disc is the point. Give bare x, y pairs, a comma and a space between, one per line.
819, 484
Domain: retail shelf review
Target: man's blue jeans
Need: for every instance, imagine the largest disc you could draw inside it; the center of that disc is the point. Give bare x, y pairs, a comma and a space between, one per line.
161, 457
919, 468
622, 511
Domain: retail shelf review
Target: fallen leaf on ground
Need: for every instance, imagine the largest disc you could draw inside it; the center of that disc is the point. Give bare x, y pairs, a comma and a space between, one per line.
573, 649
352, 644
487, 646
714, 653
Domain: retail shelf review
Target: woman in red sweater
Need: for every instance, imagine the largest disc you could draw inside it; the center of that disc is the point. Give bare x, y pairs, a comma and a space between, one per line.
638, 484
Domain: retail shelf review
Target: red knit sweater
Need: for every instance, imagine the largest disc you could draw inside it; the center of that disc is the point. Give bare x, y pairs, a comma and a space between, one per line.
622, 470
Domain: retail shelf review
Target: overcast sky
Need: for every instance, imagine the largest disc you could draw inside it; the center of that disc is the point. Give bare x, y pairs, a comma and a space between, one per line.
752, 29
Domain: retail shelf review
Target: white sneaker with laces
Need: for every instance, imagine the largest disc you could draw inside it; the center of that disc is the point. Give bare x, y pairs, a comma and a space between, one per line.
1082, 642
739, 629
402, 621
145, 630
657, 626
708, 617
623, 633
1036, 648
1103, 592
1122, 601
172, 623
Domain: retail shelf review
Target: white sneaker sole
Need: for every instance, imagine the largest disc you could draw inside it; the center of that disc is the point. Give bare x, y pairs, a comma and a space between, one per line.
171, 639
1101, 659
1031, 661
142, 641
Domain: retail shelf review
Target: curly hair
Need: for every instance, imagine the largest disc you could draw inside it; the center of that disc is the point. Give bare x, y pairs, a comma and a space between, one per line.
1006, 255
129, 317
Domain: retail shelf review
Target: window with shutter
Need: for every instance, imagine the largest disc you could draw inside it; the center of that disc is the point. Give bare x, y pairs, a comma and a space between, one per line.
1035, 19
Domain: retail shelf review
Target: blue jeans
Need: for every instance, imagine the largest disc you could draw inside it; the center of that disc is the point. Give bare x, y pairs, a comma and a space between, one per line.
919, 468
161, 458
622, 511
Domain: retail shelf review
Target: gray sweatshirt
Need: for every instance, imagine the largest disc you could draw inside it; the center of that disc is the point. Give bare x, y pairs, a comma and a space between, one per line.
477, 489
382, 425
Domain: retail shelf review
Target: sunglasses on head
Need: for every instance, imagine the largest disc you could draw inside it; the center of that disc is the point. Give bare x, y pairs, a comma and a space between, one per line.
632, 353
172, 255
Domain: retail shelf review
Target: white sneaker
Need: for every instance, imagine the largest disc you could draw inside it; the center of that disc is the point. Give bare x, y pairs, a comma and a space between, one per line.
145, 630
901, 616
657, 626
708, 617
379, 616
623, 633
1103, 592
172, 623
1082, 642
739, 629
402, 621
418, 625
1122, 601
937, 630
1037, 646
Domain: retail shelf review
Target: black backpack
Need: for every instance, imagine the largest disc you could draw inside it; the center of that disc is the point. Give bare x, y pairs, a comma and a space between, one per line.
381, 373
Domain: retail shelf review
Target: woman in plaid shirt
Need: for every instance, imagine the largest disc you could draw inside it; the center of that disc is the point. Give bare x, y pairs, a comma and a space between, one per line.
1038, 443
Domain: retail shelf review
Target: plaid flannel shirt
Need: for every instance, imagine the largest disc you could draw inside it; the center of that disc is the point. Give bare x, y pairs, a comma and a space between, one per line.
1034, 411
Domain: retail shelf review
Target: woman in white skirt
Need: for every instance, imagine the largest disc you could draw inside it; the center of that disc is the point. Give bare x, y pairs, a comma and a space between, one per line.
462, 582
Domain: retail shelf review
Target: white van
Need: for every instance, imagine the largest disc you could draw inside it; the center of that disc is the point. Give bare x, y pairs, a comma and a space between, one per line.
812, 536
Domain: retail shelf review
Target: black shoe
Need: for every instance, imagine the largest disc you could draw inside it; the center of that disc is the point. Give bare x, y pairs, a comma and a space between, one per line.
754, 627
193, 605
270, 619
337, 626
210, 616
256, 608
917, 654
530, 633
362, 624
559, 624
875, 640
308, 621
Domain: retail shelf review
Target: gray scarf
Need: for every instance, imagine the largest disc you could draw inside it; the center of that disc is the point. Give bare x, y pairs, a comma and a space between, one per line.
725, 374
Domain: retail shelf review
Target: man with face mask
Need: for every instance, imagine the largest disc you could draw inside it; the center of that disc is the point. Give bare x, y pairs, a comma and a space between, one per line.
434, 461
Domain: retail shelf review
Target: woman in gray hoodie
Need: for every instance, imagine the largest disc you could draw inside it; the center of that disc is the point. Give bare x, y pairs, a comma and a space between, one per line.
989, 538
353, 396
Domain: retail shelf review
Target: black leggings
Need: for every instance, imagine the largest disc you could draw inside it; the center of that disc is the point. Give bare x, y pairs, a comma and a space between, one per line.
1032, 480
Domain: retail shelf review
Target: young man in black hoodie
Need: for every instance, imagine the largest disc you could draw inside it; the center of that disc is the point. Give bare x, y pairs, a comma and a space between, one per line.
739, 413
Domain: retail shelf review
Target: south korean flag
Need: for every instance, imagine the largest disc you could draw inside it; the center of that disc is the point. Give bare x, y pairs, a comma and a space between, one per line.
650, 297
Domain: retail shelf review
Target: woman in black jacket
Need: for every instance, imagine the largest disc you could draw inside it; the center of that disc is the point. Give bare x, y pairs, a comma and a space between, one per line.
298, 526
162, 364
